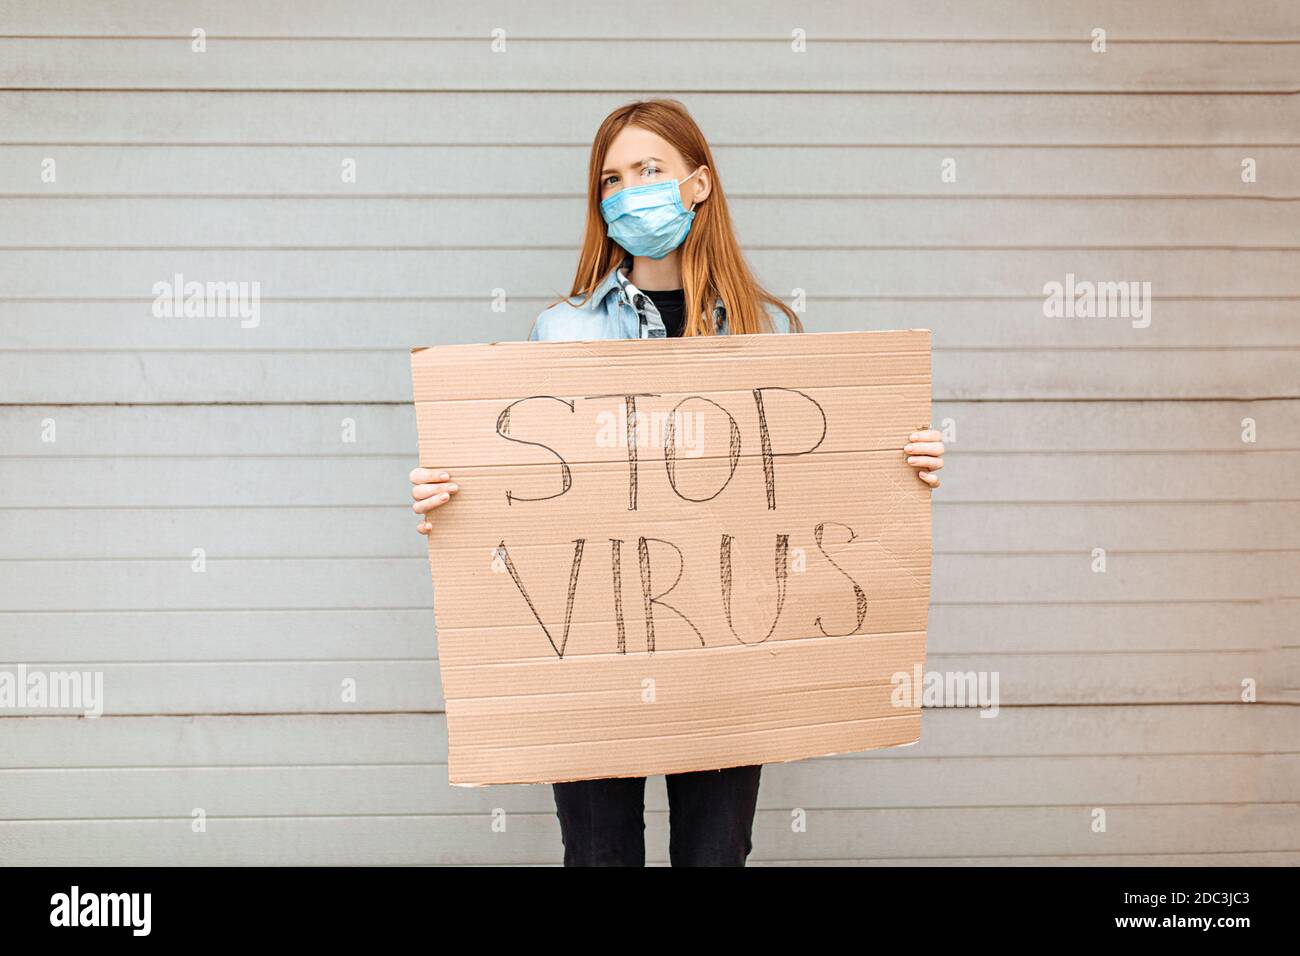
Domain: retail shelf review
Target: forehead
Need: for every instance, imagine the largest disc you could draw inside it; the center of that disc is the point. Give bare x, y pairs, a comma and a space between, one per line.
633, 143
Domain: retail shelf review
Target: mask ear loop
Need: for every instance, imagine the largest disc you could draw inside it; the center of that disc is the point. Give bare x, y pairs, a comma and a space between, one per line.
694, 202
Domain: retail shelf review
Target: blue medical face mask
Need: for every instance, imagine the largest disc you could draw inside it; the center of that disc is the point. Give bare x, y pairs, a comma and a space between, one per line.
649, 220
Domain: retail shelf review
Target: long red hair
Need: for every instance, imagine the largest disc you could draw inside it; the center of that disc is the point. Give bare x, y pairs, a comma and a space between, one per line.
712, 263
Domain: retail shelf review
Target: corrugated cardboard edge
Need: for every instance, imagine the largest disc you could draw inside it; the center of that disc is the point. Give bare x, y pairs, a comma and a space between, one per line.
772, 761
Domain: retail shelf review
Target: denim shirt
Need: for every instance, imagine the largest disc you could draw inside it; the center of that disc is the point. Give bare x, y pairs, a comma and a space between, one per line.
617, 309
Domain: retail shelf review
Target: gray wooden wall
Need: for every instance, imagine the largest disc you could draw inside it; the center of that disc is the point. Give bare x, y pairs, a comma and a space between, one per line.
1120, 690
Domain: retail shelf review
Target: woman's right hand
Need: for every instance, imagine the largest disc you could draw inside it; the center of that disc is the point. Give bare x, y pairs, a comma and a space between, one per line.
431, 489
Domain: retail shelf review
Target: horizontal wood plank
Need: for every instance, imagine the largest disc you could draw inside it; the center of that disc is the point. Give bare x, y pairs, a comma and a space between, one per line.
875, 19
557, 170
178, 431
992, 323
99, 533
286, 740
814, 785
364, 376
525, 270
534, 838
400, 634
610, 64
728, 119
412, 223
250, 583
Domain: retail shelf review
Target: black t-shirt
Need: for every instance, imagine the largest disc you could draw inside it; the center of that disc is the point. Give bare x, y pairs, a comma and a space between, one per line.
671, 304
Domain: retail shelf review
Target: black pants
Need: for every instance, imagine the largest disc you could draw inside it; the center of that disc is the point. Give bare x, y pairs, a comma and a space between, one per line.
710, 818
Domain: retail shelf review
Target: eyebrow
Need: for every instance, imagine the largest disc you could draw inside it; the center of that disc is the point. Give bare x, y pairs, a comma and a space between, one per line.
639, 162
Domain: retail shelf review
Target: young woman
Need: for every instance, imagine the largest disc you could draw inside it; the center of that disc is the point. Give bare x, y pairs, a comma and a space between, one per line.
659, 258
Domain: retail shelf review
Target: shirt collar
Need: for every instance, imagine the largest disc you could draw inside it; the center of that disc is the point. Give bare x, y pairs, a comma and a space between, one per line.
618, 284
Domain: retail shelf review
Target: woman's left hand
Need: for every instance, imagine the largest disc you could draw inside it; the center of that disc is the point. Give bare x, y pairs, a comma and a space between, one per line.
925, 452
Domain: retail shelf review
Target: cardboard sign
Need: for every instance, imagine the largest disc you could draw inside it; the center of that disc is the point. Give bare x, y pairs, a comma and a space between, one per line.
675, 555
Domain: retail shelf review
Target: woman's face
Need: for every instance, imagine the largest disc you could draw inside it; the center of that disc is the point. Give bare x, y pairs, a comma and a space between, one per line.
637, 157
